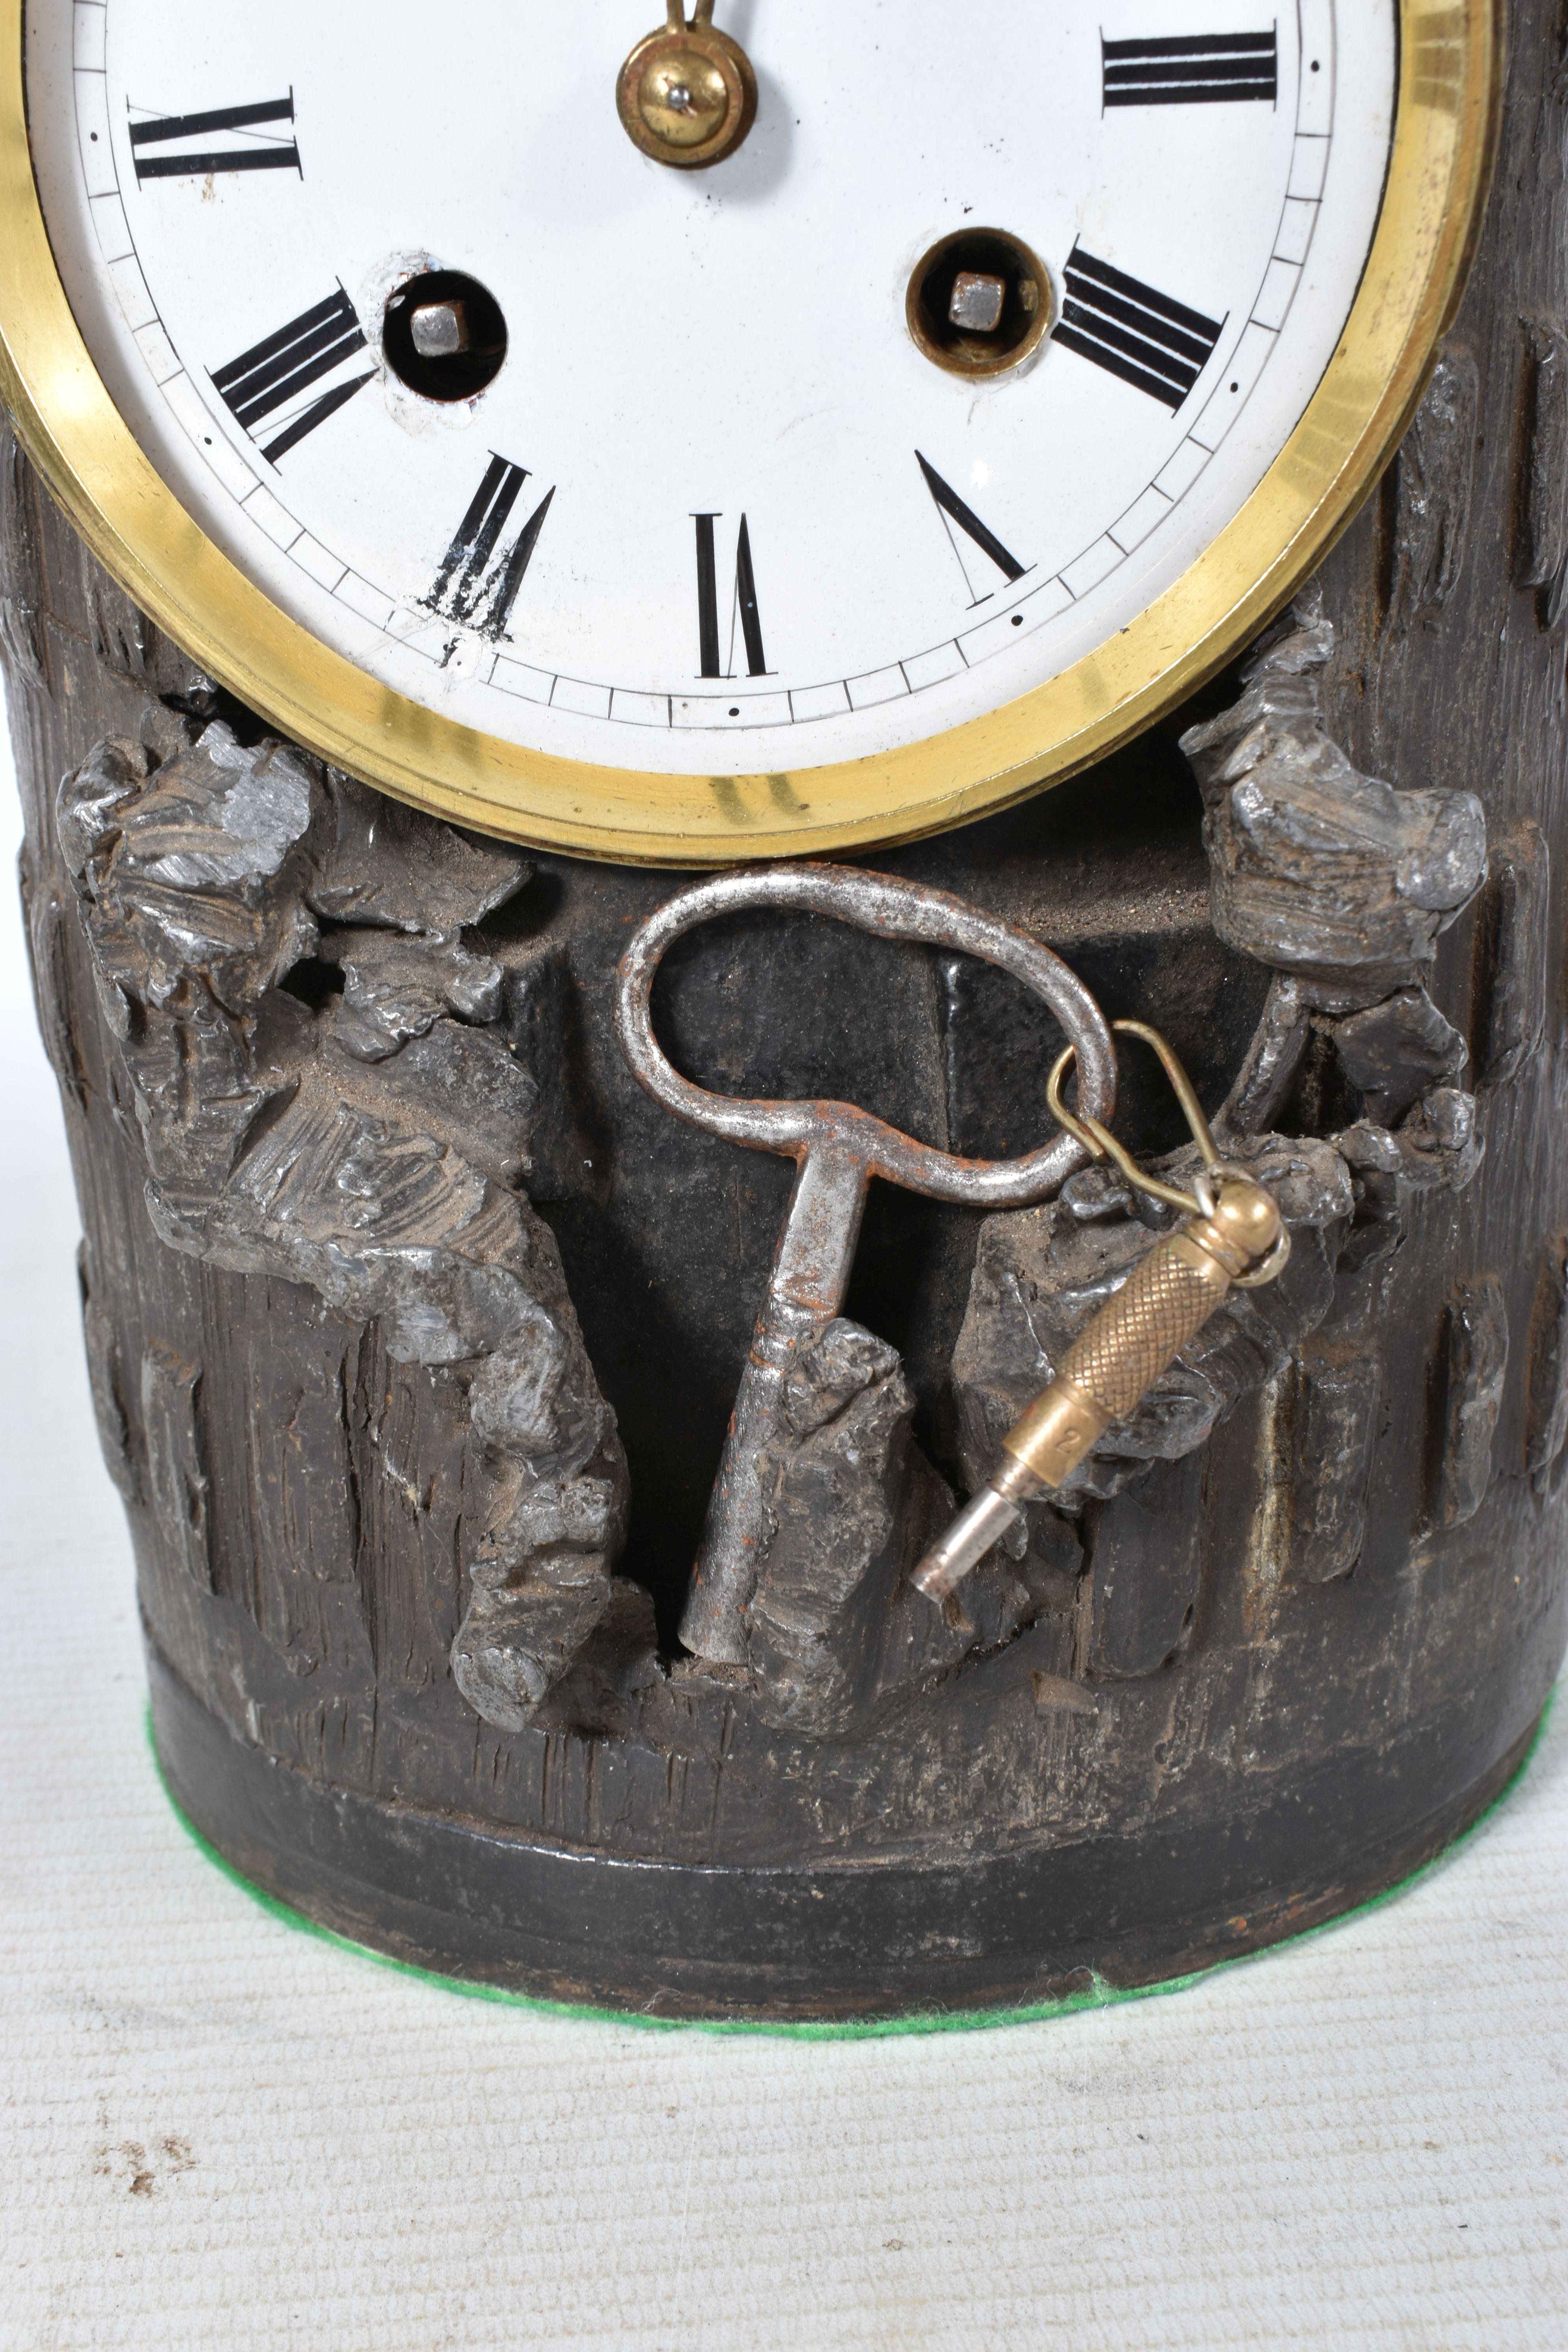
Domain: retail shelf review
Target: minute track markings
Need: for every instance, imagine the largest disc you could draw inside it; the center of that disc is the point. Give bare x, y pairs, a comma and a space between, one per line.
821, 699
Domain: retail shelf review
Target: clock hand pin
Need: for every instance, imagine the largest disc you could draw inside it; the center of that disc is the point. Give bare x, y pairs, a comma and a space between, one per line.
687, 95
1233, 1238
681, 98
838, 1149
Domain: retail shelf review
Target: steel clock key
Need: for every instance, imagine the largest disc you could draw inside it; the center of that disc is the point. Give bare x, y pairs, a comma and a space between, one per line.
838, 1150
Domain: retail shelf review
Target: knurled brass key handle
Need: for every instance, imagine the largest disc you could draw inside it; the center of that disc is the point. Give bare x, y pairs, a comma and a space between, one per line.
838, 1149
1233, 1237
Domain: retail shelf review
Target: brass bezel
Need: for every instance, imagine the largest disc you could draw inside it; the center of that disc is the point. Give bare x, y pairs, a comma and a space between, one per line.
1444, 129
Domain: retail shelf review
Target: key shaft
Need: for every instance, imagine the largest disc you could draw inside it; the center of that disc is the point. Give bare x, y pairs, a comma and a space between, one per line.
810, 1275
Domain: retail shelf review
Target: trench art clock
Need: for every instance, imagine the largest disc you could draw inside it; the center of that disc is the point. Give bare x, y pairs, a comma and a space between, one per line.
1052, 1534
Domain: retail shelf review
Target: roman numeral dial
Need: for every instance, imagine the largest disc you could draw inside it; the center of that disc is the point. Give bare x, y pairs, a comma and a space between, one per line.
273, 373
1132, 331
1191, 69
738, 481
264, 151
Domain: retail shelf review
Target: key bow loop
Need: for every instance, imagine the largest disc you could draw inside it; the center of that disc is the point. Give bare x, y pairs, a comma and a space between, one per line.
838, 1149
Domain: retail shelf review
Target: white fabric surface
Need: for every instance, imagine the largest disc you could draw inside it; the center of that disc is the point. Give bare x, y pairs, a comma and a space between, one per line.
218, 2131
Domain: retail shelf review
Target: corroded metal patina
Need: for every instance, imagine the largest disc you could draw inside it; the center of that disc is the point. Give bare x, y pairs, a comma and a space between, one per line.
838, 1150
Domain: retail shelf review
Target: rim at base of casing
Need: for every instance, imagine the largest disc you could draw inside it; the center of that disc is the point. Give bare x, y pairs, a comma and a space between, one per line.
840, 1940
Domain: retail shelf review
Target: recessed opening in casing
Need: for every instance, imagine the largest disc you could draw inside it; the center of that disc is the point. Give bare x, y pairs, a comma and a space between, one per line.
444, 335
979, 302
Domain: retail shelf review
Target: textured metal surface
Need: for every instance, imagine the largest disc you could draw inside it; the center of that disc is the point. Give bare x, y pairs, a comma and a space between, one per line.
838, 1150
891, 1933
1162, 1304
1240, 1239
1311, 1588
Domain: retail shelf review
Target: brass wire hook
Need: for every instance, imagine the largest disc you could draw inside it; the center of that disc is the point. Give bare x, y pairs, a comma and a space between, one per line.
1097, 1138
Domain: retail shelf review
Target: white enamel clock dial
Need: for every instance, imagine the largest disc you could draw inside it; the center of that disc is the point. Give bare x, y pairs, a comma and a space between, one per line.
716, 509
727, 439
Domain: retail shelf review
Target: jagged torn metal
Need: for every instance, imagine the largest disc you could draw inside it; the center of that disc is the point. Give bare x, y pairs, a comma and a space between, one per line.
367, 1139
1342, 884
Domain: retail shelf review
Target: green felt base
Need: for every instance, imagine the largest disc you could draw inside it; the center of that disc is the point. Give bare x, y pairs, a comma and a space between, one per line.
1098, 1995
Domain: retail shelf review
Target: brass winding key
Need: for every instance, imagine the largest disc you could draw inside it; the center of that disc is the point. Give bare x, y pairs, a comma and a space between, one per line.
1233, 1238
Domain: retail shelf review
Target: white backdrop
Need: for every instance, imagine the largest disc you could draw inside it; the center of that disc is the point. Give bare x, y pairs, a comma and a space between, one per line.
218, 2131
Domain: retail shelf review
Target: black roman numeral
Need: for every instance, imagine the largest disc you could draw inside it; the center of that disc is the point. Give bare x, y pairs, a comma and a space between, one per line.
473, 571
1196, 69
745, 602
266, 155
268, 376
952, 509
1126, 328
